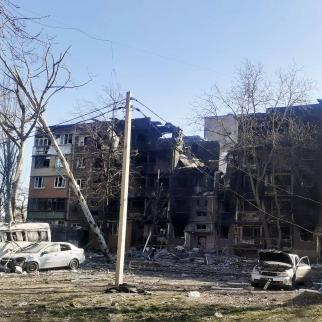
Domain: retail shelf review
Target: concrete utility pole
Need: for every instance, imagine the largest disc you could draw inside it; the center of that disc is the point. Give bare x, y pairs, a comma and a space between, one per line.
93, 226
124, 194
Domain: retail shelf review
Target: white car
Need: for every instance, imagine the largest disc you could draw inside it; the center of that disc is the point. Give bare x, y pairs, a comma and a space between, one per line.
280, 268
45, 255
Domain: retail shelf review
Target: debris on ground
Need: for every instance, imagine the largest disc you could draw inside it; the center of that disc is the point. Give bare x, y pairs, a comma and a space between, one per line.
194, 294
192, 263
218, 315
223, 295
125, 288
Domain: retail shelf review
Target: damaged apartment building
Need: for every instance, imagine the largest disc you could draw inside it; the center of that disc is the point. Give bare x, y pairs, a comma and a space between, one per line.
172, 195
272, 191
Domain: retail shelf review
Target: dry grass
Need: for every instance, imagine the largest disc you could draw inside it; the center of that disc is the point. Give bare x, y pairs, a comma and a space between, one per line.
66, 296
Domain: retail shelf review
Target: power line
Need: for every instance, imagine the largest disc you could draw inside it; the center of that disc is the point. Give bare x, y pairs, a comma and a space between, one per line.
262, 180
32, 134
149, 109
110, 41
235, 192
236, 167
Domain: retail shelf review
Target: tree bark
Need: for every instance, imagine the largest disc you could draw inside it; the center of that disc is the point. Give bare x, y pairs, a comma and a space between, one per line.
16, 181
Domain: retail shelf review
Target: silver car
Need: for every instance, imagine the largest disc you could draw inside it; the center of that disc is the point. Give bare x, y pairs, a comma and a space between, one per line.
279, 268
45, 255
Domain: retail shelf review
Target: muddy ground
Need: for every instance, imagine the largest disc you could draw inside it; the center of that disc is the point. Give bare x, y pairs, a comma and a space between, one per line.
223, 294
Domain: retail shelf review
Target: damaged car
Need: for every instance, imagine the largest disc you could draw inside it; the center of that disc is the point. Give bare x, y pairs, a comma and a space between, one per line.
280, 269
44, 255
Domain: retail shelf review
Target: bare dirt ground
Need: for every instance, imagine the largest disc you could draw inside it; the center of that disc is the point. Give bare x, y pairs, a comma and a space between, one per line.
224, 294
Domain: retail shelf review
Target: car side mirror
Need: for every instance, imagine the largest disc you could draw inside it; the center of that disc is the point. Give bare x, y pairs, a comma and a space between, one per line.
44, 253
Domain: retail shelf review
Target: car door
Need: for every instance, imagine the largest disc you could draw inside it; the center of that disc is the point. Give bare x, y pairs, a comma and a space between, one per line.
49, 257
66, 254
303, 269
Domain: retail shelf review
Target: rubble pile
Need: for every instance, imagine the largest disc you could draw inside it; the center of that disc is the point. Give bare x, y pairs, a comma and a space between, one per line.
97, 262
192, 263
186, 263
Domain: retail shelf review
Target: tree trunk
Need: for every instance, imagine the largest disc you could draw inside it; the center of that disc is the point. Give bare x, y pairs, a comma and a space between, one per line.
8, 212
278, 222
267, 236
7, 199
262, 212
16, 181
261, 207
91, 222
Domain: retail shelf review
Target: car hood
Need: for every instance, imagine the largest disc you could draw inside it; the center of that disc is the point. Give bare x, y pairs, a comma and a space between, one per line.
275, 257
16, 255
275, 263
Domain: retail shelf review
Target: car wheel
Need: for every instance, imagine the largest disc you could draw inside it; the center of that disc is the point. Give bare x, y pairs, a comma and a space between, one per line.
32, 267
74, 264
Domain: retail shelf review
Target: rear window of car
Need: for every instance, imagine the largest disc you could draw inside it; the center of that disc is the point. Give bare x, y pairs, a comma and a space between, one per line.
64, 247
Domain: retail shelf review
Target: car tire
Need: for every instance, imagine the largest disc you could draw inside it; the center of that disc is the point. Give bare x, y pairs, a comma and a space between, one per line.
32, 267
73, 264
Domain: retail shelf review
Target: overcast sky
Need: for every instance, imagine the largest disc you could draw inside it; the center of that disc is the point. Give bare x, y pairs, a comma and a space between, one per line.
167, 52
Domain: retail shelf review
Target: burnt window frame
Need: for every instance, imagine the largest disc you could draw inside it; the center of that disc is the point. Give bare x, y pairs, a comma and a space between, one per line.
41, 161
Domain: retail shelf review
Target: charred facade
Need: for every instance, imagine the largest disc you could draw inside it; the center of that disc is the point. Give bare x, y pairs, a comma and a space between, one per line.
168, 173
276, 186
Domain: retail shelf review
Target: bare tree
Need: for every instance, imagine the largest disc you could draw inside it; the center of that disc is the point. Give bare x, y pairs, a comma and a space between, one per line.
263, 127
21, 206
31, 80
29, 85
102, 153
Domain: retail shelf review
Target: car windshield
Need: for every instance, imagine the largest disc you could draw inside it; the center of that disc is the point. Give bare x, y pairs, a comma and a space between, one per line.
33, 248
275, 257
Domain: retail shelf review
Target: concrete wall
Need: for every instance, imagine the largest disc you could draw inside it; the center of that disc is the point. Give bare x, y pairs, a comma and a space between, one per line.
217, 128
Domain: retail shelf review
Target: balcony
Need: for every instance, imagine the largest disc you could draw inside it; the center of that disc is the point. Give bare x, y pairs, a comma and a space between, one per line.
40, 150
66, 149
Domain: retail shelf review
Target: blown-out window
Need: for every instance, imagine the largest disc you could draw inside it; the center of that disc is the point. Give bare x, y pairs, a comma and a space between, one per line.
80, 183
306, 236
42, 162
41, 142
80, 163
60, 182
66, 139
39, 182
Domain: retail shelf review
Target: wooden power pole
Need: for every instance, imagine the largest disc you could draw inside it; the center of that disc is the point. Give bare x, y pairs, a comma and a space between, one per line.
124, 194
